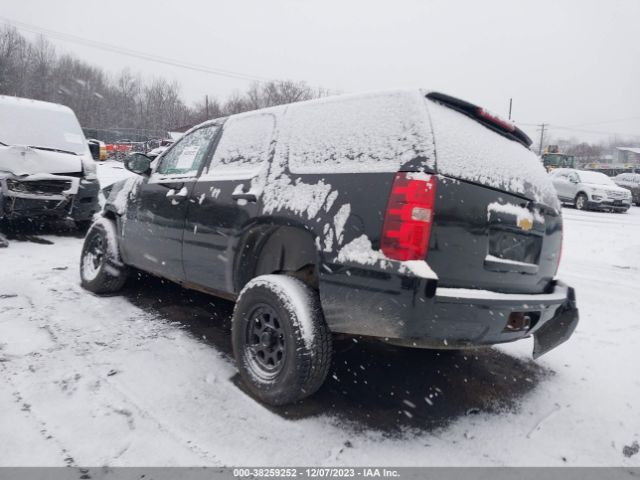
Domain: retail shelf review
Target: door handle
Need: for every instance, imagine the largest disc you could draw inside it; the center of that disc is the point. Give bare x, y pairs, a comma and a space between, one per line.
248, 196
239, 194
177, 196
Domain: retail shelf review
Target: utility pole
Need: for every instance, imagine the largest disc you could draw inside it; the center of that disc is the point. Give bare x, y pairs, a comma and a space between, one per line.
510, 105
542, 127
206, 106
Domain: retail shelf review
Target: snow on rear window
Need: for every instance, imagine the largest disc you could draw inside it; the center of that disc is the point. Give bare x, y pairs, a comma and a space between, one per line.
470, 151
244, 144
372, 132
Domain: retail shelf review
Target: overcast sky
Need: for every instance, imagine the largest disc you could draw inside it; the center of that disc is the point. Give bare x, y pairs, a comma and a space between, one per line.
567, 63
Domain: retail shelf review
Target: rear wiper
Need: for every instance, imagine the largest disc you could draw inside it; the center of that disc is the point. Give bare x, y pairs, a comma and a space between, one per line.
4, 144
49, 149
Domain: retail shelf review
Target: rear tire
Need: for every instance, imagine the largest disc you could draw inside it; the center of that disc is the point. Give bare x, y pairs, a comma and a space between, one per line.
101, 268
281, 342
581, 201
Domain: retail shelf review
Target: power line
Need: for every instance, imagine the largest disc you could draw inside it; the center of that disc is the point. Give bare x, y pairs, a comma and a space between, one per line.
133, 53
571, 129
605, 121
593, 131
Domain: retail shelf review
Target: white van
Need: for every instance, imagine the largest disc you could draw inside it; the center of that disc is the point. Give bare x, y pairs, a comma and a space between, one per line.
46, 168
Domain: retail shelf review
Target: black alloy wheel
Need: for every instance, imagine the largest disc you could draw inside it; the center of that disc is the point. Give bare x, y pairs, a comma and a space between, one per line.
265, 342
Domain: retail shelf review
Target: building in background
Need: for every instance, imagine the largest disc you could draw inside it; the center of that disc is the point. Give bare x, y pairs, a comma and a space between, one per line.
628, 155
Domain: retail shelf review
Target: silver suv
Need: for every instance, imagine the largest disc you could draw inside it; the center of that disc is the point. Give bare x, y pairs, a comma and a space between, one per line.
630, 181
590, 190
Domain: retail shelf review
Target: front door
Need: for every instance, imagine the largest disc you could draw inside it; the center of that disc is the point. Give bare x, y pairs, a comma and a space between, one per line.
225, 200
152, 238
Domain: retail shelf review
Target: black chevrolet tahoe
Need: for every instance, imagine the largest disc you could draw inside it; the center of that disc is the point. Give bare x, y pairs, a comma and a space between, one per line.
409, 216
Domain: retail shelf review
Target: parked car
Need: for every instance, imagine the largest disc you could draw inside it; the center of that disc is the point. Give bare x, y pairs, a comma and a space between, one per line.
590, 190
161, 148
340, 215
630, 181
46, 168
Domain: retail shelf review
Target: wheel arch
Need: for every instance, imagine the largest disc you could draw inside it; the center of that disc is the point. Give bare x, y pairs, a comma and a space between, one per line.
276, 246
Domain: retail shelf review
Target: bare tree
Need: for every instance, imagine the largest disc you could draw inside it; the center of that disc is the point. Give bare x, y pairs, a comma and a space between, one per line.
124, 102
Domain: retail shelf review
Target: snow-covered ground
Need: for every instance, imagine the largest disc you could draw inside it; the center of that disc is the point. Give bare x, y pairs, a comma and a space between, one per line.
146, 377
111, 171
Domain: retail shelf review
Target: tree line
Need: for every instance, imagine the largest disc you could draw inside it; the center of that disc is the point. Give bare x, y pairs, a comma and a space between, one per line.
124, 101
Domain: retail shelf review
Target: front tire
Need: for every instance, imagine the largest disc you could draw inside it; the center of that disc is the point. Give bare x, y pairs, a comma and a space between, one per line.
101, 268
281, 342
581, 201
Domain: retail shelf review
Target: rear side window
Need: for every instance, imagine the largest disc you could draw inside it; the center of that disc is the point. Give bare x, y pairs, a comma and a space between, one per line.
356, 133
244, 145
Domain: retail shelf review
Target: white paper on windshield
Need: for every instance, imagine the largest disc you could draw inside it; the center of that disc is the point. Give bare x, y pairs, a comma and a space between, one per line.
73, 137
185, 160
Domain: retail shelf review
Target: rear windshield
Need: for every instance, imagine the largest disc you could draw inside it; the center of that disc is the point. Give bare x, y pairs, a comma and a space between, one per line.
596, 178
467, 150
24, 122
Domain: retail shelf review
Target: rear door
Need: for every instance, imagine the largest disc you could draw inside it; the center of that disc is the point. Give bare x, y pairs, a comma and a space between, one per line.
225, 199
152, 232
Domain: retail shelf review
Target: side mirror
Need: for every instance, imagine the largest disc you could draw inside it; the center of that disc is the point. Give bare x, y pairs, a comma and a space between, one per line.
138, 163
94, 148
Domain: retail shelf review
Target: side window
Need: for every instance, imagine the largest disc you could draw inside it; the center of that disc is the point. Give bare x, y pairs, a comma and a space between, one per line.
187, 155
573, 177
365, 133
244, 145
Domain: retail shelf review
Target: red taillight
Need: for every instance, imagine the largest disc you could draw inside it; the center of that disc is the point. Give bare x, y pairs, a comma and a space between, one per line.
496, 120
409, 215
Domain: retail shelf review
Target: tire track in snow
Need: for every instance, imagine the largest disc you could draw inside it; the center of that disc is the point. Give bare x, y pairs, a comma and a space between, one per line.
80, 342
42, 426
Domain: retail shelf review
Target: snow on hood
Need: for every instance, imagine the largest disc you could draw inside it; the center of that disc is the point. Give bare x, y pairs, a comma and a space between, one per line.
40, 124
606, 187
467, 150
21, 160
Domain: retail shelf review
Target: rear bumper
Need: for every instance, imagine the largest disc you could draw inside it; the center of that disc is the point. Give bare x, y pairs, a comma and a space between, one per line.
414, 312
552, 316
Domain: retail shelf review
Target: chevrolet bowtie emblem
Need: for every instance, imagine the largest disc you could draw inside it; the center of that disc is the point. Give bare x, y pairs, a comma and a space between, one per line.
525, 224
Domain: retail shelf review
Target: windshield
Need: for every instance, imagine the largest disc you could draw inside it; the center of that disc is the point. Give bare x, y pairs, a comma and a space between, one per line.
596, 178
37, 124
